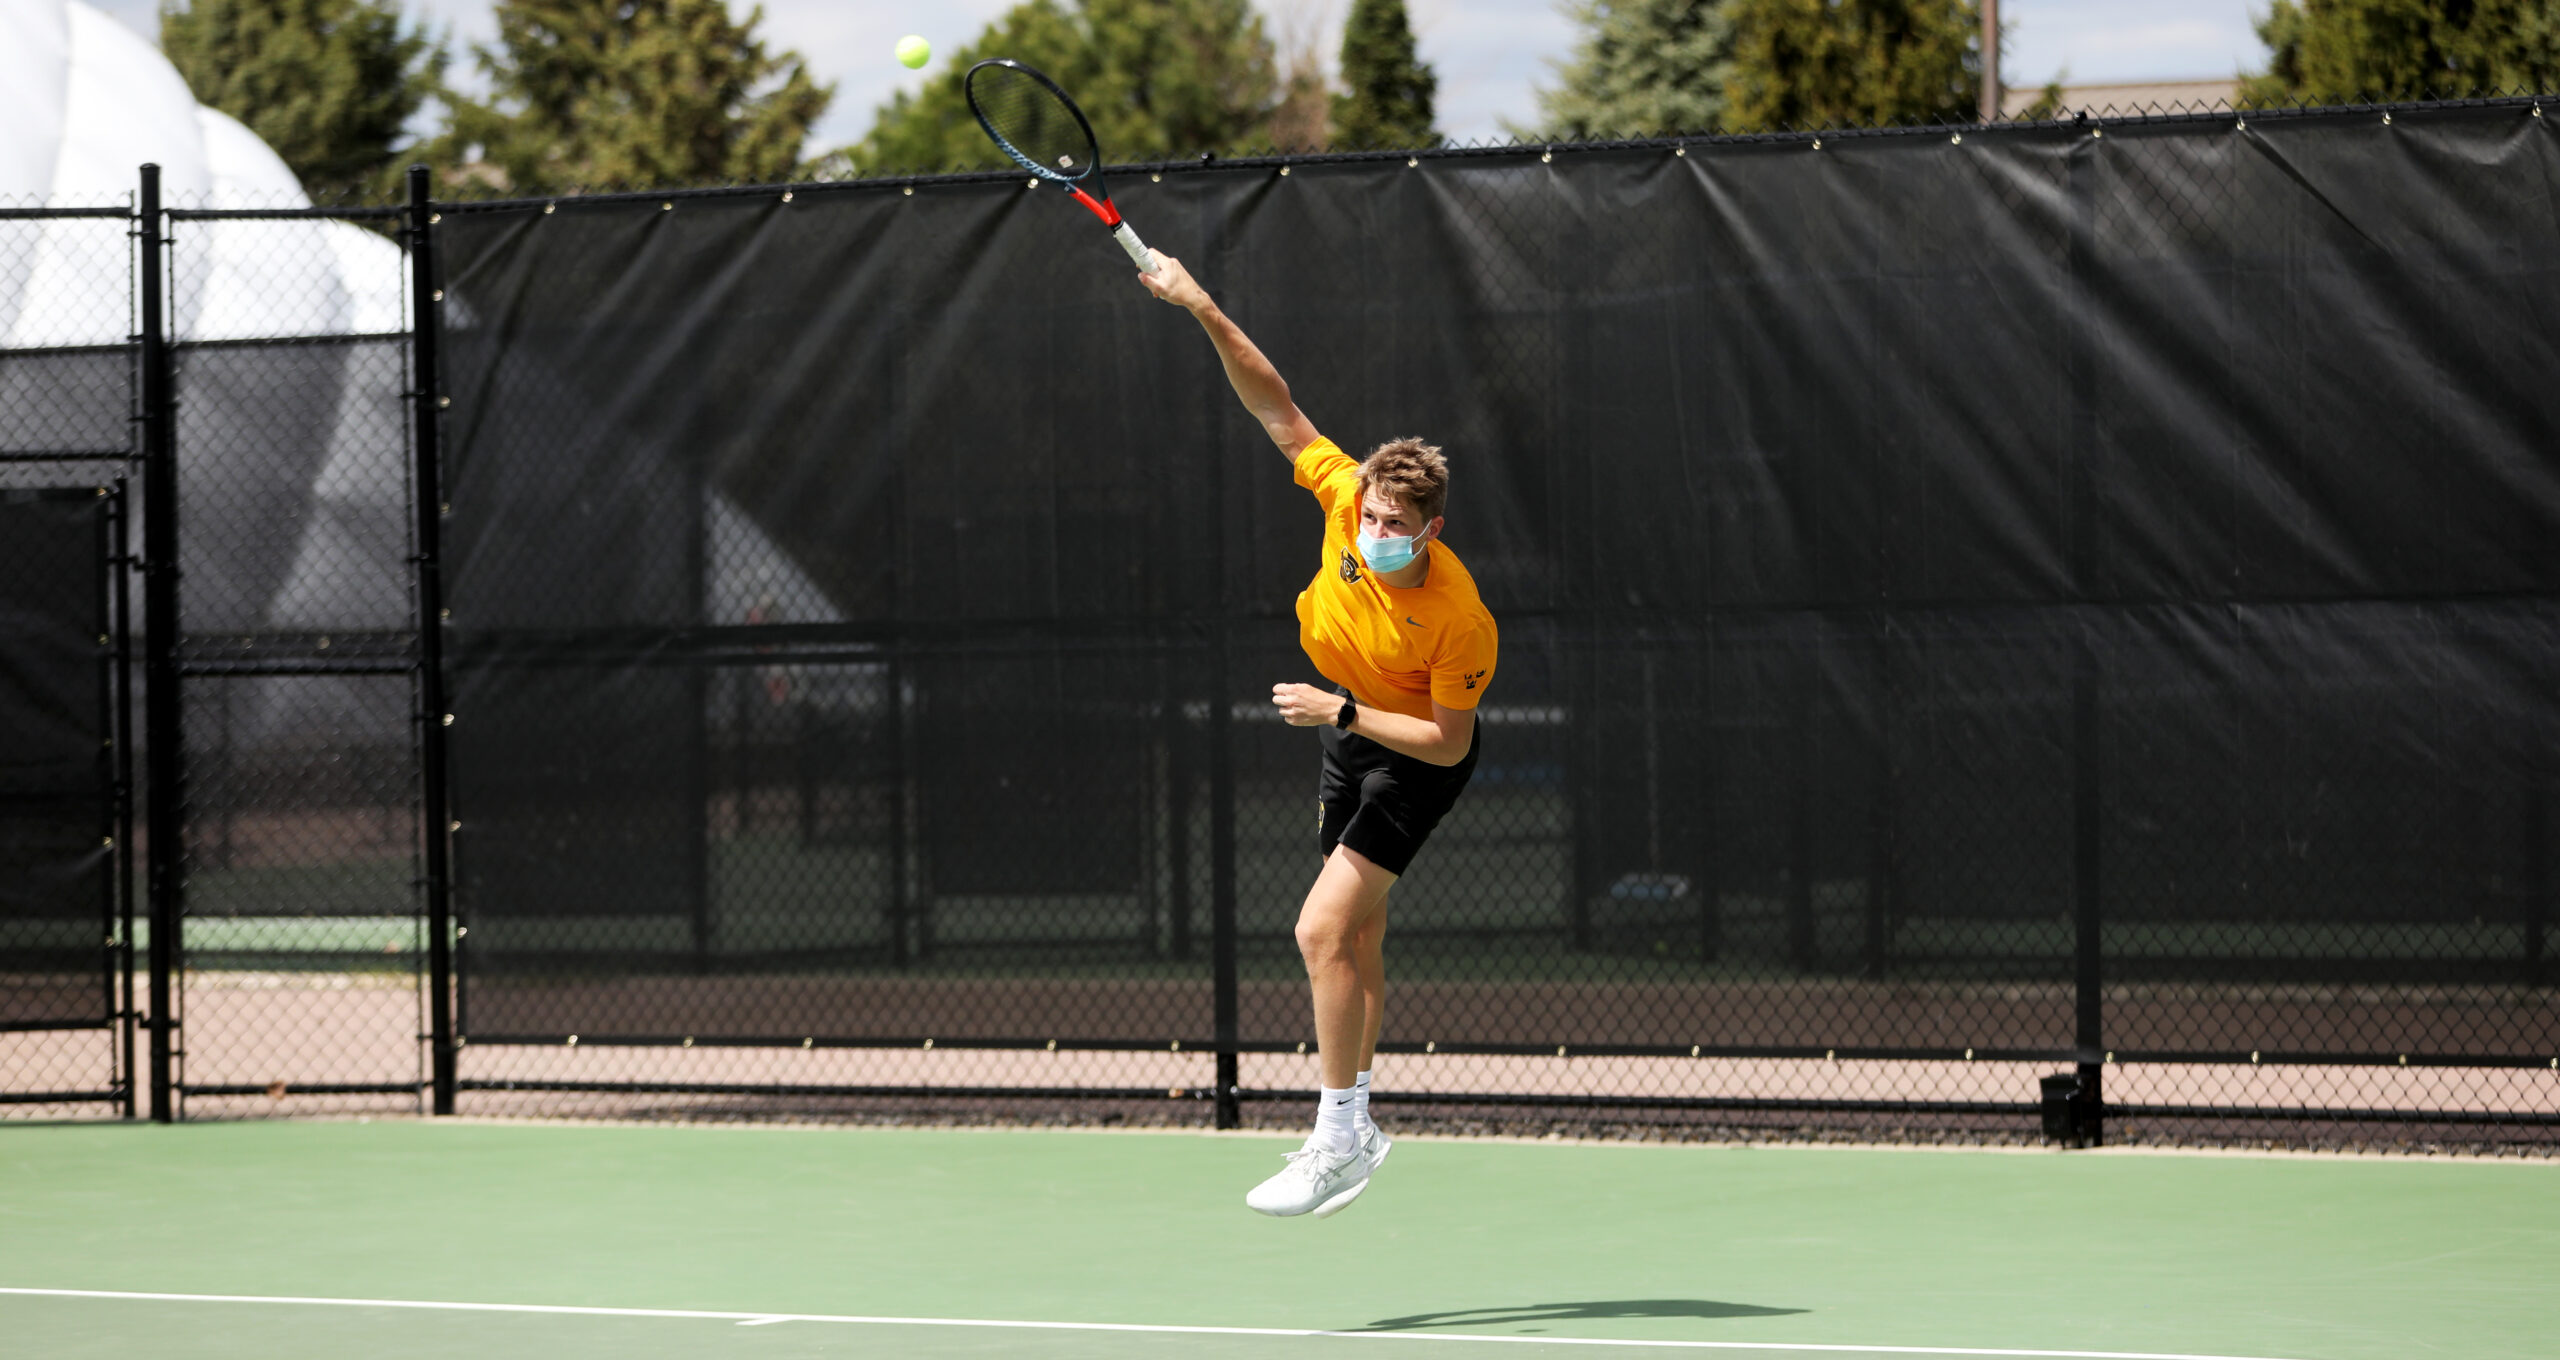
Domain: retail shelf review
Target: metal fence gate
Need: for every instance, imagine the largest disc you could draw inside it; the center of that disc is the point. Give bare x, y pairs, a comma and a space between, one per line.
303, 964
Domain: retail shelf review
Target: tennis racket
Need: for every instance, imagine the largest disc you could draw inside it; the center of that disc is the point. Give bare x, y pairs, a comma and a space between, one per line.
1034, 122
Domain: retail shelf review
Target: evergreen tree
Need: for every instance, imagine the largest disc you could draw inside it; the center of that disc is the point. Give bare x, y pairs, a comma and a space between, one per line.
2331, 51
1852, 63
605, 93
1642, 67
1302, 120
1156, 78
1387, 102
330, 84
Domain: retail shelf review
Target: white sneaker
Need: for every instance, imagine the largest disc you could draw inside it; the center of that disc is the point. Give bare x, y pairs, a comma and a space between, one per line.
1320, 1183
1374, 1147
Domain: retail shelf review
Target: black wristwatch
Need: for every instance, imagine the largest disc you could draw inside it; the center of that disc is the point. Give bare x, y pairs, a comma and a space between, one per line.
1350, 710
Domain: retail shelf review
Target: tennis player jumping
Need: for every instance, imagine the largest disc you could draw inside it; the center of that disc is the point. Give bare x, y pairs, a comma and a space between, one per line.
1393, 620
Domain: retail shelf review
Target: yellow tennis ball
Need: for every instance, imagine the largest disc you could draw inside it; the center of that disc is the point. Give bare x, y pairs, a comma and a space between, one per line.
914, 52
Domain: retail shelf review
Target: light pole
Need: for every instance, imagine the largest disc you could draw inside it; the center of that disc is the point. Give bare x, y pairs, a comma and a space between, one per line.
1990, 61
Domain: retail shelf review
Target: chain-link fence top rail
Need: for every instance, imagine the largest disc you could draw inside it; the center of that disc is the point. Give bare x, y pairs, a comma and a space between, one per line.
1906, 546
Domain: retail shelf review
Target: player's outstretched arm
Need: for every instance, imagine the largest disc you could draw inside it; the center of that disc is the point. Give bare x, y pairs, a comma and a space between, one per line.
1257, 383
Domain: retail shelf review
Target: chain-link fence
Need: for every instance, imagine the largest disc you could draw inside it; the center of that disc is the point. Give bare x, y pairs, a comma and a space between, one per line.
2054, 604
2004, 631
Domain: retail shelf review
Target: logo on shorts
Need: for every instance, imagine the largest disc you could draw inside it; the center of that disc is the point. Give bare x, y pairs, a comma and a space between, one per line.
1350, 566
1477, 678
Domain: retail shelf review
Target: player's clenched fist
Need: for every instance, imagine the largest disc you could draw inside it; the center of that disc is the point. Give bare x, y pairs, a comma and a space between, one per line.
1305, 705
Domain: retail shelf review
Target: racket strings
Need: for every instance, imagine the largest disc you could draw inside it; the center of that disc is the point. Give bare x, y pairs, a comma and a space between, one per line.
1032, 121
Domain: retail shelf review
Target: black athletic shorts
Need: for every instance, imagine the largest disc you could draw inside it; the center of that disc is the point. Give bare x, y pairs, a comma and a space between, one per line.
1383, 803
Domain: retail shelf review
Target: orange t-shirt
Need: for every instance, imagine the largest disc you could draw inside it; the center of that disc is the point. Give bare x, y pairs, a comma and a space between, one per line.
1396, 650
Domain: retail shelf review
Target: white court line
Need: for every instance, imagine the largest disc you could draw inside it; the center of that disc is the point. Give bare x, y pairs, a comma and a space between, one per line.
767, 1319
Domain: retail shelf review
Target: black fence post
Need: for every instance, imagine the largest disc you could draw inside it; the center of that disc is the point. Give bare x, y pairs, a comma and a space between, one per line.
697, 717
1803, 939
2088, 955
107, 541
426, 405
2537, 872
2087, 883
904, 908
1220, 599
124, 780
1181, 783
1222, 884
1881, 812
1581, 829
1710, 832
899, 906
161, 716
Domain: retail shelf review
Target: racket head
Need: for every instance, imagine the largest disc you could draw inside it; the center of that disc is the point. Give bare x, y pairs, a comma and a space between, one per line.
1032, 120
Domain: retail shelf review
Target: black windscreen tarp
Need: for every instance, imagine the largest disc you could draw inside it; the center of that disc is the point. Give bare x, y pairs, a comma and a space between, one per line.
1904, 546
56, 809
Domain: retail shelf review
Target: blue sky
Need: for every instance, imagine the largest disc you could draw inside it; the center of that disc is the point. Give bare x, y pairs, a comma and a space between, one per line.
1491, 55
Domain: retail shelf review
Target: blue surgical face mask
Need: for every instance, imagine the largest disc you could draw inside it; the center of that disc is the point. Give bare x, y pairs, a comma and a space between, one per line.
1388, 554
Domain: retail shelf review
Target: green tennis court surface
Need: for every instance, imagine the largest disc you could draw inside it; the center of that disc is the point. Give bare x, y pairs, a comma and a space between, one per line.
338, 1239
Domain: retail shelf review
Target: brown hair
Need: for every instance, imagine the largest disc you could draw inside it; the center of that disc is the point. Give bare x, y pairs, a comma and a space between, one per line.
1410, 471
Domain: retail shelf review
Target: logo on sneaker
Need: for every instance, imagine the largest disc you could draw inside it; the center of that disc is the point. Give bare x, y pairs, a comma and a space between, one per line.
1320, 1183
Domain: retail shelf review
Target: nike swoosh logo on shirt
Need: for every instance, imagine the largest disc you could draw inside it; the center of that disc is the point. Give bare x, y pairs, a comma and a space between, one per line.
1412, 620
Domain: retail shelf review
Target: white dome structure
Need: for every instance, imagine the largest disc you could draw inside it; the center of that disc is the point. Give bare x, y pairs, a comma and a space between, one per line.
293, 457
84, 102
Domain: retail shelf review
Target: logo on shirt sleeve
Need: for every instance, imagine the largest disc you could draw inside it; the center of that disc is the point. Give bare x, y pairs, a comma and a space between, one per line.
1477, 677
1350, 566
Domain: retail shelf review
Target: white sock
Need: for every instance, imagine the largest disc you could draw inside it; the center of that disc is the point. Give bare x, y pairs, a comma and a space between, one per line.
1336, 1130
1360, 1103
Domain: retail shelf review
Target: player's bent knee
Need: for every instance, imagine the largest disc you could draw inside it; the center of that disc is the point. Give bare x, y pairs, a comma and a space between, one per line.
1323, 936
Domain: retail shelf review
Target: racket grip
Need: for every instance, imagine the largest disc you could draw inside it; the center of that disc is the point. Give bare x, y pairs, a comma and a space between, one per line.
1139, 255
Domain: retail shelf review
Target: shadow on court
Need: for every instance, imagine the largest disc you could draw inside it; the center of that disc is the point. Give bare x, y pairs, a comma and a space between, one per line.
1576, 1312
